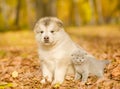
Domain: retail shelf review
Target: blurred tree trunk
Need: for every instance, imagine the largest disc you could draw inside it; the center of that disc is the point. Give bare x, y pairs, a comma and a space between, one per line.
91, 2
52, 6
75, 17
70, 20
29, 12
38, 8
45, 8
18, 13
99, 11
76, 14
4, 12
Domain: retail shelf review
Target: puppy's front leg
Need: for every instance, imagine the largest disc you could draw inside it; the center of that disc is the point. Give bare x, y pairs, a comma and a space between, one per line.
47, 74
59, 74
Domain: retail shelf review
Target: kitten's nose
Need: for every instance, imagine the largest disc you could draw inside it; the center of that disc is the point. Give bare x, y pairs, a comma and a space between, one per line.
46, 38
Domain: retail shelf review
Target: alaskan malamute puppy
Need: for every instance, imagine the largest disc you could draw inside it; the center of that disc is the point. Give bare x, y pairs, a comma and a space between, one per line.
54, 48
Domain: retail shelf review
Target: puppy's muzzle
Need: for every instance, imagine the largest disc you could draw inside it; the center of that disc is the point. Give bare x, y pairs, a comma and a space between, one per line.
46, 39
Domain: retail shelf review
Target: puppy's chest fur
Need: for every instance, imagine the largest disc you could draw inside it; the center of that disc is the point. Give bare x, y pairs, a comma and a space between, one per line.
53, 55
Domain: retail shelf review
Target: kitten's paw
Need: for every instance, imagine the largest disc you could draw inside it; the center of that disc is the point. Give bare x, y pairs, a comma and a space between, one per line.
83, 83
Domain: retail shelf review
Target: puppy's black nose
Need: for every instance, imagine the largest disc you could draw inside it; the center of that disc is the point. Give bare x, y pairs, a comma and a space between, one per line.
46, 38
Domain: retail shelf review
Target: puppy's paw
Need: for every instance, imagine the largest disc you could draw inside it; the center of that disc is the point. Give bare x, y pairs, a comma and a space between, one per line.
57, 82
56, 86
43, 81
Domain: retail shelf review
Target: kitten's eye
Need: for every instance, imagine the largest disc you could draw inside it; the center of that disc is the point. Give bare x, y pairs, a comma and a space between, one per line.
52, 31
41, 31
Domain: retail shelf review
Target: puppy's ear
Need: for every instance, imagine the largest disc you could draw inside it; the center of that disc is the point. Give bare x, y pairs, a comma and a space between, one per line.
60, 23
35, 29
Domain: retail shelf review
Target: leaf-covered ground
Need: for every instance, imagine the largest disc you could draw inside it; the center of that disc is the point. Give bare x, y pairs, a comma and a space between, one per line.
20, 66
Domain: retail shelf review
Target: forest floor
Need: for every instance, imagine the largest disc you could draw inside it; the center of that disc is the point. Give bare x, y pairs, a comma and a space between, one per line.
20, 66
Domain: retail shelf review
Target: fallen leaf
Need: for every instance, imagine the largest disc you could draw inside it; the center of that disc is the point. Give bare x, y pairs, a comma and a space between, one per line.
57, 85
116, 71
5, 85
14, 74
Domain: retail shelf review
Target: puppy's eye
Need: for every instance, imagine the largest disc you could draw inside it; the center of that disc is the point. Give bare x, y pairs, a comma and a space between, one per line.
41, 31
52, 31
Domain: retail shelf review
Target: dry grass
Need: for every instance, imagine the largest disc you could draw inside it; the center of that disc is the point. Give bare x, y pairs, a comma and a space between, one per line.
18, 52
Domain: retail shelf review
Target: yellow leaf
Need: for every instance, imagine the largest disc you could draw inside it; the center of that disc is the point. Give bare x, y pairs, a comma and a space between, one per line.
3, 86
14, 74
57, 85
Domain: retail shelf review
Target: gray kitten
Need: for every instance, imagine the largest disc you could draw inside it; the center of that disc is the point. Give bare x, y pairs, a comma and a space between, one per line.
86, 64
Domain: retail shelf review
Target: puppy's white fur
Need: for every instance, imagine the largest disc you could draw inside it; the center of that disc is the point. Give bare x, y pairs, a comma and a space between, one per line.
55, 55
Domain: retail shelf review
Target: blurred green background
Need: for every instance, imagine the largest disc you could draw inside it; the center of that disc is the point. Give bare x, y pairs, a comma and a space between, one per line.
16, 14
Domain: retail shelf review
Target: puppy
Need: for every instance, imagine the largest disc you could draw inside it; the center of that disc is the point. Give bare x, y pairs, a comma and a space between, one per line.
86, 64
54, 48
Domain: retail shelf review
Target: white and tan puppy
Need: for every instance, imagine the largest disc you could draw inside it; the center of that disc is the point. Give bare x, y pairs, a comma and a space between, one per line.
55, 49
